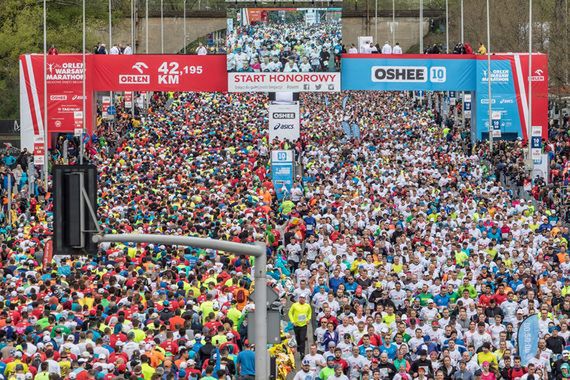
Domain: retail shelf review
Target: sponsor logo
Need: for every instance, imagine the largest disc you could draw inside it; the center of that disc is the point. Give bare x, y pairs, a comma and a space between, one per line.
283, 126
58, 97
538, 76
58, 124
283, 115
78, 97
506, 101
134, 79
413, 74
68, 71
140, 66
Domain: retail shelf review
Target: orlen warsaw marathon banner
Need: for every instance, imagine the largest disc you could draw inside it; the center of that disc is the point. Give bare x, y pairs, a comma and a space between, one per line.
450, 72
104, 73
284, 49
64, 76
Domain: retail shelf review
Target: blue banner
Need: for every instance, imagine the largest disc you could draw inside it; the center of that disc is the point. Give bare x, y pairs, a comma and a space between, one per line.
527, 339
403, 74
503, 97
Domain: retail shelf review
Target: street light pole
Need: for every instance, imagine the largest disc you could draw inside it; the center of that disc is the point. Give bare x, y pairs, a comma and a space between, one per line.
376, 21
421, 26
447, 26
146, 28
489, 79
83, 118
257, 250
462, 36
45, 131
162, 26
393, 23
529, 116
184, 26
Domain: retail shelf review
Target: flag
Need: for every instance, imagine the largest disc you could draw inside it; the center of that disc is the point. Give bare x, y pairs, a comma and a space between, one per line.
218, 361
527, 339
326, 100
346, 129
344, 100
355, 131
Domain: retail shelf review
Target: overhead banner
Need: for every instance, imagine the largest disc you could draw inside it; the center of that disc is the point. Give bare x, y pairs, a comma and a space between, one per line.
64, 95
282, 172
509, 93
527, 339
284, 49
409, 73
205, 73
284, 121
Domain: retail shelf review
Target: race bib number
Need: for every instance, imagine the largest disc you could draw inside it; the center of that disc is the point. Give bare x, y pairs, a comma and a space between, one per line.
302, 318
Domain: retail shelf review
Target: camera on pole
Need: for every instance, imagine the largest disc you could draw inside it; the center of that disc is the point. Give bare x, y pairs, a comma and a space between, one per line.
75, 209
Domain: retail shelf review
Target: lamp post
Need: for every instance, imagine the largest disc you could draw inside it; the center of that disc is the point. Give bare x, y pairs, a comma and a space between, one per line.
421, 26
489, 79
529, 116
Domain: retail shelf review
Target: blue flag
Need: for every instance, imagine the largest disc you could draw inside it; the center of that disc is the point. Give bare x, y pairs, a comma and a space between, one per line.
346, 129
326, 100
355, 131
218, 361
344, 100
527, 339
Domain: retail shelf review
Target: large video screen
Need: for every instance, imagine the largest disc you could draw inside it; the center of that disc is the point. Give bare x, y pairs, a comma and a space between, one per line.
284, 49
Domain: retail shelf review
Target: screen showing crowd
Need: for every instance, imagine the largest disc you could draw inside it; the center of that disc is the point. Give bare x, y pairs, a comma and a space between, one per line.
284, 39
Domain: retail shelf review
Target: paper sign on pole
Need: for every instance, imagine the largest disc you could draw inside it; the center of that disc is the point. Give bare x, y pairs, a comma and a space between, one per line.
128, 99
536, 143
467, 105
284, 121
282, 172
105, 104
496, 123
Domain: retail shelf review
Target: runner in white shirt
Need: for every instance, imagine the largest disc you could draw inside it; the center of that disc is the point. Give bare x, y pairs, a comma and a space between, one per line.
397, 49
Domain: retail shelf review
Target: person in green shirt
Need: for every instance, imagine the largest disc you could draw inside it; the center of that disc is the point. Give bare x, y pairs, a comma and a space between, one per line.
466, 286
328, 371
425, 296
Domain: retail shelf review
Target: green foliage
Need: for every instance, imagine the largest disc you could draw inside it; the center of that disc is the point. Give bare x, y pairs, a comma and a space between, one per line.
21, 31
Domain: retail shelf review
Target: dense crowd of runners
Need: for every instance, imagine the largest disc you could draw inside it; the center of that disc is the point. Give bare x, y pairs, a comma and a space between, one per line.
286, 46
397, 254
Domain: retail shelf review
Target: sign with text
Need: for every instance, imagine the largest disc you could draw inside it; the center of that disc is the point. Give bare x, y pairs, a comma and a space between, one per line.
282, 172
284, 121
536, 143
407, 72
284, 49
159, 73
467, 105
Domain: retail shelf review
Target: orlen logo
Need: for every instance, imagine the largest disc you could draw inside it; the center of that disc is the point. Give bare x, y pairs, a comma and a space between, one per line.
136, 78
538, 76
283, 115
283, 126
58, 97
414, 74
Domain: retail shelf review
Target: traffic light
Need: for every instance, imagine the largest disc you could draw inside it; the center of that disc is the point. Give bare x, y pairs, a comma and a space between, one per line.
75, 209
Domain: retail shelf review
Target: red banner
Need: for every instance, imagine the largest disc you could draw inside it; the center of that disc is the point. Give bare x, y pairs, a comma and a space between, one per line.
48, 253
205, 73
64, 87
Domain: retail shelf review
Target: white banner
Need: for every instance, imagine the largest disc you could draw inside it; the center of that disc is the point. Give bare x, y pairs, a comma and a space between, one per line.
283, 82
284, 121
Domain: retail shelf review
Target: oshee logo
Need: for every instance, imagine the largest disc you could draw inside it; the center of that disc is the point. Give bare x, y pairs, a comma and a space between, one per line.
283, 115
412, 74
